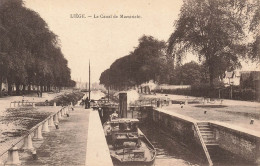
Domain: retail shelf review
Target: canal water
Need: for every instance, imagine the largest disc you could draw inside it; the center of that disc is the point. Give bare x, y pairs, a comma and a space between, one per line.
169, 150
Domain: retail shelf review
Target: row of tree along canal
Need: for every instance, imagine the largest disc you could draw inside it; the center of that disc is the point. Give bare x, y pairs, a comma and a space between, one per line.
29, 52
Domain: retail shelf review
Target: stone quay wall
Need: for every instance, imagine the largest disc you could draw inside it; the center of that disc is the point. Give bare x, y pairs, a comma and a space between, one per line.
180, 128
239, 142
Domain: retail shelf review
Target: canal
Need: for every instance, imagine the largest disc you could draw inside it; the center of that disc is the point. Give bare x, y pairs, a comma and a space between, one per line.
169, 150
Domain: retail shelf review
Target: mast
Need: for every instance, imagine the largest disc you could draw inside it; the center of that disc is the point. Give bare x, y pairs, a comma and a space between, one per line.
89, 80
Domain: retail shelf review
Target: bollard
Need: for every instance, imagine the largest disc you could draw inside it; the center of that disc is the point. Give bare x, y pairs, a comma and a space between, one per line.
33, 104
27, 145
71, 104
38, 134
252, 121
51, 121
55, 117
13, 157
186, 102
54, 104
45, 127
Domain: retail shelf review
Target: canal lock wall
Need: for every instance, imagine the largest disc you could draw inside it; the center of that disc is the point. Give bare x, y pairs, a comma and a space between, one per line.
238, 142
179, 128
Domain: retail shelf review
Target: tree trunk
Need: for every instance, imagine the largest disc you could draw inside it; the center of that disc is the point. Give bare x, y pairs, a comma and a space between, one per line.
24, 89
17, 89
9, 88
29, 88
211, 77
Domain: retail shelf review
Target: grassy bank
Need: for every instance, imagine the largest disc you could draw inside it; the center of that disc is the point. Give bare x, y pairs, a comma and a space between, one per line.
64, 99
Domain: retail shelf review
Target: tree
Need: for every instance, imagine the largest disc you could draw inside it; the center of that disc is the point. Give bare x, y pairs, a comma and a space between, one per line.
187, 74
147, 62
214, 30
254, 28
29, 51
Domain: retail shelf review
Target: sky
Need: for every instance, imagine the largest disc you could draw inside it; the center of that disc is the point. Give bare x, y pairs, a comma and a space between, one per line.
103, 40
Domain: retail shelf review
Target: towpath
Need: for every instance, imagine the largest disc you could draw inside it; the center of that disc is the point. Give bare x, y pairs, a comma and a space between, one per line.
66, 145
79, 140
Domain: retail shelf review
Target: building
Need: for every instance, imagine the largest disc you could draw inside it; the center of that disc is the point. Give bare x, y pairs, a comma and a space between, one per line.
231, 78
242, 78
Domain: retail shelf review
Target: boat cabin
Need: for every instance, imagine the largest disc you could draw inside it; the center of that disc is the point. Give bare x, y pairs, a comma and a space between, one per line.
124, 132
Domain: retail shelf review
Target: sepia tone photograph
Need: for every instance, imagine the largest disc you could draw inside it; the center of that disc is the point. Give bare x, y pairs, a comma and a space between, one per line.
130, 83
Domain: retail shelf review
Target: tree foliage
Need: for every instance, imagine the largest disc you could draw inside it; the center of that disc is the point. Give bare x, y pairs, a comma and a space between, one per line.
29, 51
215, 31
187, 74
147, 62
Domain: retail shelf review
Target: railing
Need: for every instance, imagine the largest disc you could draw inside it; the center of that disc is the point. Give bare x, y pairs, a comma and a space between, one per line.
24, 143
22, 103
152, 102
